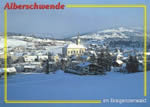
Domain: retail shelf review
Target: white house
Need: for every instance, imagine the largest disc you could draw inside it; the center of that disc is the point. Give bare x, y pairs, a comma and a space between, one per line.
10, 70
29, 58
43, 57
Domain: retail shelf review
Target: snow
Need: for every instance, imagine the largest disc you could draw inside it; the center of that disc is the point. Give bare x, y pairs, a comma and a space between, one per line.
148, 53
63, 86
119, 62
113, 33
10, 70
15, 41
29, 66
73, 45
120, 29
12, 42
84, 64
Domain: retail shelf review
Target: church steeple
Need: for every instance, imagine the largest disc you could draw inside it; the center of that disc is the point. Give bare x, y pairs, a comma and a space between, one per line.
78, 39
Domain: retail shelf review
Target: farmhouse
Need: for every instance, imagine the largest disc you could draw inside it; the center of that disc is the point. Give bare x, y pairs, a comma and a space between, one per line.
89, 68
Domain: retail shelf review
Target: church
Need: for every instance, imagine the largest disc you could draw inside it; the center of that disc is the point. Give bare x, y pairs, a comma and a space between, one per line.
74, 48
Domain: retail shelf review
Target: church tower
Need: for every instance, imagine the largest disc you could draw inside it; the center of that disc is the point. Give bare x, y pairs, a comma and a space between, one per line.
78, 40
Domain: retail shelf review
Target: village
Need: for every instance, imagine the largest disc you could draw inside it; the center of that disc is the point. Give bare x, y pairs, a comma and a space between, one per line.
73, 57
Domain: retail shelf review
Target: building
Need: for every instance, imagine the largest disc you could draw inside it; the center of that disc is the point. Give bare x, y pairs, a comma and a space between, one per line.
89, 68
10, 70
33, 67
30, 58
74, 49
42, 57
52, 66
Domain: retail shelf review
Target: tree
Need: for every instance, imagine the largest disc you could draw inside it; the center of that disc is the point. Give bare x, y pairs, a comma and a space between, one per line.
92, 58
105, 60
132, 64
47, 67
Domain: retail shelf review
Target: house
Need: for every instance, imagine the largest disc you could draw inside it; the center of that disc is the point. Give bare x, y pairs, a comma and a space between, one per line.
83, 67
89, 68
95, 68
121, 68
74, 63
56, 57
30, 58
42, 57
29, 68
84, 58
33, 67
64, 63
52, 66
73, 49
117, 63
10, 70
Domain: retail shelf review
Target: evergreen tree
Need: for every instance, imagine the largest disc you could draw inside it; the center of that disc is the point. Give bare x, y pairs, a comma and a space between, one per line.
47, 67
132, 64
92, 58
105, 60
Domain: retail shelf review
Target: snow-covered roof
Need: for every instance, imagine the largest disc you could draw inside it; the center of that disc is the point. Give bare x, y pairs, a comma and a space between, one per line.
51, 62
140, 61
148, 53
30, 66
119, 61
10, 70
84, 64
119, 55
73, 45
64, 59
84, 56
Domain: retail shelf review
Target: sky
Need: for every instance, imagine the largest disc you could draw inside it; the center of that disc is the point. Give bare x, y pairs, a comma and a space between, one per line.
70, 21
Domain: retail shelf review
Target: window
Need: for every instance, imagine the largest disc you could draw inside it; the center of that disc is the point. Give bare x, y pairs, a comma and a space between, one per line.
80, 51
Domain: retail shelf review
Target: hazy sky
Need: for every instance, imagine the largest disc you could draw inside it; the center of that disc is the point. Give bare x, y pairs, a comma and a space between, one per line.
73, 20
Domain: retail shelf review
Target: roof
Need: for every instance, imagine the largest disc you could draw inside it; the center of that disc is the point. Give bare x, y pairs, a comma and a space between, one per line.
51, 62
148, 53
10, 70
30, 66
84, 56
84, 64
73, 45
119, 61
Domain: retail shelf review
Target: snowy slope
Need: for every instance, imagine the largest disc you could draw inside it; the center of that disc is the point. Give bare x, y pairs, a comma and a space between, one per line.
12, 42
114, 33
62, 86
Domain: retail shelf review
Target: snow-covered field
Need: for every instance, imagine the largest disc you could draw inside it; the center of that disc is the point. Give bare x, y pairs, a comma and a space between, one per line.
62, 86
15, 41
12, 42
